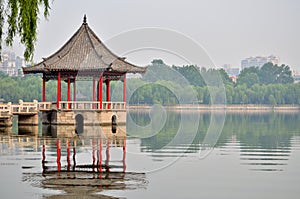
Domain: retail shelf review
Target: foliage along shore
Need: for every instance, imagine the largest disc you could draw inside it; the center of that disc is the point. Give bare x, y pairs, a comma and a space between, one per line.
173, 85
162, 84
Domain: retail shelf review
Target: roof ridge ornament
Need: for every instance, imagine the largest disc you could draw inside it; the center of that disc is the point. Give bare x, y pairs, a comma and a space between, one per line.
84, 19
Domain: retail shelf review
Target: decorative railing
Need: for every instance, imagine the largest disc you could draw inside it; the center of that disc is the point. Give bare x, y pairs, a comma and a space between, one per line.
46, 106
25, 107
35, 106
86, 105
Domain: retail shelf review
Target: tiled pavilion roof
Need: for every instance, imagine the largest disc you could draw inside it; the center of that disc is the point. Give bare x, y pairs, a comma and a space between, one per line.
84, 52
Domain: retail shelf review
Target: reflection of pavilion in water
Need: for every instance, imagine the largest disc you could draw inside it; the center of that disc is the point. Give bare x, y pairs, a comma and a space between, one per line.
68, 146
61, 168
25, 134
79, 165
99, 138
86, 131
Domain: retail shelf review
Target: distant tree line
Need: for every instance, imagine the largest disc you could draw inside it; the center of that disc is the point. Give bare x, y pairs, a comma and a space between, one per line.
171, 85
13, 88
270, 84
29, 88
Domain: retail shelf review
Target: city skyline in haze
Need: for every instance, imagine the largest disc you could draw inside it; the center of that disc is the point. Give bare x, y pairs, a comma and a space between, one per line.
228, 30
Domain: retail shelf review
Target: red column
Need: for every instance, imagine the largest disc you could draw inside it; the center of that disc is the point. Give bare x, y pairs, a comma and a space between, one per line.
58, 90
108, 93
44, 88
69, 92
124, 88
74, 90
100, 90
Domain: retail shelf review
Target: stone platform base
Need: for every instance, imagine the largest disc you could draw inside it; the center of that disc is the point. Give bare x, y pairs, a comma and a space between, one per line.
86, 118
28, 119
68, 123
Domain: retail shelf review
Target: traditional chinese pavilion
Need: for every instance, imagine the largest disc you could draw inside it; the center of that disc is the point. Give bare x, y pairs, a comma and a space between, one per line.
84, 57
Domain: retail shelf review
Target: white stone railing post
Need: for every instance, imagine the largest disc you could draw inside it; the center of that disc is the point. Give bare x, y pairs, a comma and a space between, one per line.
21, 105
9, 107
35, 103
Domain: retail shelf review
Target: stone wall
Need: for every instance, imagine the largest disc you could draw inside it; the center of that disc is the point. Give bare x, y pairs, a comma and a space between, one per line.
86, 123
6, 121
28, 119
103, 117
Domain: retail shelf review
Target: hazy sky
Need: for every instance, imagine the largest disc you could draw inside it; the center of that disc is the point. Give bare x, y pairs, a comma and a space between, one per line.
228, 30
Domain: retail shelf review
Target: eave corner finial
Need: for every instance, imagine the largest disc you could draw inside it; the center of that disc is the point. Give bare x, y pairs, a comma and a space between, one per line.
84, 19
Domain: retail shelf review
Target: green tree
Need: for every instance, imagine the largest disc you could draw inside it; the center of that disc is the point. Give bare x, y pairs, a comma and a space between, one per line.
225, 77
272, 100
284, 76
258, 94
267, 74
248, 70
249, 79
21, 17
158, 70
273, 74
191, 73
157, 62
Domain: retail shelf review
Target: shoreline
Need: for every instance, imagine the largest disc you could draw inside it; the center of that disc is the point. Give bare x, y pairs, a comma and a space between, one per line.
227, 108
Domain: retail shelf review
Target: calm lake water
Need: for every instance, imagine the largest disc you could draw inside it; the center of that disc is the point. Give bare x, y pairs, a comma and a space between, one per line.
256, 155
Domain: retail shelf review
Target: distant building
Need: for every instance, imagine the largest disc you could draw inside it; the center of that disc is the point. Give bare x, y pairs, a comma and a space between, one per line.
233, 78
231, 71
259, 61
11, 64
296, 76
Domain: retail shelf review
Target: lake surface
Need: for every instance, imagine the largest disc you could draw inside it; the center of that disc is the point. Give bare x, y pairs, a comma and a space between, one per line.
170, 155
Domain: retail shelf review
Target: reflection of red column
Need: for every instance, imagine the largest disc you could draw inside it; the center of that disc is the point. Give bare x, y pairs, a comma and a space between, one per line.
100, 158
69, 92
43, 156
100, 90
107, 155
58, 90
124, 88
58, 155
93, 154
44, 88
108, 93
74, 155
68, 154
124, 155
